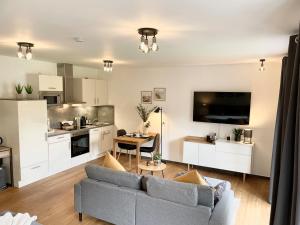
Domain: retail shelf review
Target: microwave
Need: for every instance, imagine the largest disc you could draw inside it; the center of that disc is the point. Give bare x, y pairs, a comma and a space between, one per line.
52, 98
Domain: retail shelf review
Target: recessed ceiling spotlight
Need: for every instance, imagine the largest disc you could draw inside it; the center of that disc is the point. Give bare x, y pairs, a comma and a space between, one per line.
144, 44
107, 65
78, 39
262, 65
28, 53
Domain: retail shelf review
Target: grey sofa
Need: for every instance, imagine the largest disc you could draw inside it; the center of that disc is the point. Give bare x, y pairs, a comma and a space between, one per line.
124, 198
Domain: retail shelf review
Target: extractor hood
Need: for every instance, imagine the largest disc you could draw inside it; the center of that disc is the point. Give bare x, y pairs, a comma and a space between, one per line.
66, 71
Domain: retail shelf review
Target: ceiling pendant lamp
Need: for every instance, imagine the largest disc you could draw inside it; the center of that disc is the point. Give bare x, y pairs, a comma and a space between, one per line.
262, 65
28, 53
107, 65
144, 44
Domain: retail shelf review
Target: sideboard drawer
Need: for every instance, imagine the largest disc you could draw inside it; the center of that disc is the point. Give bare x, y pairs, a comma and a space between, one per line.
234, 148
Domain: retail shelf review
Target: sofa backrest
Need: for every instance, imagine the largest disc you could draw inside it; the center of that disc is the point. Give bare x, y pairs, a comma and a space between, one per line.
181, 193
184, 193
120, 178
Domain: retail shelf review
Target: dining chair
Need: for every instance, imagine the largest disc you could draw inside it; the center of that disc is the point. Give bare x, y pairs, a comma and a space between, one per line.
153, 148
123, 146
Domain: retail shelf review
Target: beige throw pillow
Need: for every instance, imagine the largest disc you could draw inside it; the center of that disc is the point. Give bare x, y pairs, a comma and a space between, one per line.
112, 163
192, 177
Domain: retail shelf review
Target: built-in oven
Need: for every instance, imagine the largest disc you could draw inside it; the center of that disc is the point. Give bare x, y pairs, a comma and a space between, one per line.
52, 98
80, 143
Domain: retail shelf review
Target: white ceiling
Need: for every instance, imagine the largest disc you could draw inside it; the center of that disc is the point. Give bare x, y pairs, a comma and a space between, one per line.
191, 32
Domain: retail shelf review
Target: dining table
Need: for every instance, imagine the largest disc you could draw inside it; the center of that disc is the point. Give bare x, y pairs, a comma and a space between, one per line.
133, 140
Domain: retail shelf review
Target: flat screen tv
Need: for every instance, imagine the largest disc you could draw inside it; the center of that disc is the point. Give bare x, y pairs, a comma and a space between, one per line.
222, 107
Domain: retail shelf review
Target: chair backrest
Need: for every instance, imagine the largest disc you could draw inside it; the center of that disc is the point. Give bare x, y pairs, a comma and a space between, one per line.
121, 132
156, 143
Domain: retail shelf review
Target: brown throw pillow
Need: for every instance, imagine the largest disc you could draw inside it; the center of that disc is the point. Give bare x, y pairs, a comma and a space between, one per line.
112, 163
192, 177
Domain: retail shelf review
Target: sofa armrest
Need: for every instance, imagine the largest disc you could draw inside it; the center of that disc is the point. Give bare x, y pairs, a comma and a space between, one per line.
225, 210
77, 197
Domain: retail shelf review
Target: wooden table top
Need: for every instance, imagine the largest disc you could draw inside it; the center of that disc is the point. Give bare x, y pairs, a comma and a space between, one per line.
160, 167
4, 148
134, 140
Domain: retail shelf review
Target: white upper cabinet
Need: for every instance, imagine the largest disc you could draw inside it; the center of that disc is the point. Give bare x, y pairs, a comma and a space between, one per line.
91, 91
50, 83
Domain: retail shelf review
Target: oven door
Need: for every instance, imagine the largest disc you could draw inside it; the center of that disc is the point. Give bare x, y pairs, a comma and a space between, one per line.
80, 145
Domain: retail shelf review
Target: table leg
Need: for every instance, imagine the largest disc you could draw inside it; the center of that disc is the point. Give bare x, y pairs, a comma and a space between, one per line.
138, 146
152, 173
163, 175
141, 172
244, 178
114, 149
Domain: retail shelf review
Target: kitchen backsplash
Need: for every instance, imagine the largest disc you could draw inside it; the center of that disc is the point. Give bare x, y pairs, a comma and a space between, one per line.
56, 114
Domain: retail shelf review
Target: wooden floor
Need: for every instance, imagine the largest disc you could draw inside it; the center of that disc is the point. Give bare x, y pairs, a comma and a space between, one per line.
51, 199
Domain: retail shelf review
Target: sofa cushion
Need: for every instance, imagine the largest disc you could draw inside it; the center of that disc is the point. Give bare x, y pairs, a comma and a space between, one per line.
218, 193
112, 163
193, 177
181, 193
119, 178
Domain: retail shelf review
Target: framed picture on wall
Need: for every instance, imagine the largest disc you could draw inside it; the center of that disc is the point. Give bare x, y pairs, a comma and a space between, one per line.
159, 94
146, 97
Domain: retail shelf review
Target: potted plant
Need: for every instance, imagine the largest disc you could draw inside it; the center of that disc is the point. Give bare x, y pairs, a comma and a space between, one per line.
29, 90
237, 133
19, 90
157, 159
144, 113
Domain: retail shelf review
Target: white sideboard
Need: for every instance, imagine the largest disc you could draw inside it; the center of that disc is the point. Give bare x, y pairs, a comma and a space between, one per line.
224, 155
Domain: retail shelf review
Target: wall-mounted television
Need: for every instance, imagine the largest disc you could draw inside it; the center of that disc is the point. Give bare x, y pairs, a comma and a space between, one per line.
222, 107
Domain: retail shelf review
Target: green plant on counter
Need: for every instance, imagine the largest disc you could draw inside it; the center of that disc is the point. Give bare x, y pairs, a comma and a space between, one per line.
28, 89
19, 88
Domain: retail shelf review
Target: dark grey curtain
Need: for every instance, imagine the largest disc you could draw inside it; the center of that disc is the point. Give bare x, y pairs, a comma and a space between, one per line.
285, 173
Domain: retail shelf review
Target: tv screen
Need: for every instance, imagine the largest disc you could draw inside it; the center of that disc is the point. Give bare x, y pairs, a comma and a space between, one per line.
222, 107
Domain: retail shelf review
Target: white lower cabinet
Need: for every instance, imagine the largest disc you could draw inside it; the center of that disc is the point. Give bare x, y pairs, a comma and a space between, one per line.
59, 148
33, 173
107, 138
95, 143
225, 155
101, 141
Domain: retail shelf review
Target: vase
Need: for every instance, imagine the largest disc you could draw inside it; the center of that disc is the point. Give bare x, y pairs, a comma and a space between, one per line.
237, 138
145, 129
19, 96
157, 162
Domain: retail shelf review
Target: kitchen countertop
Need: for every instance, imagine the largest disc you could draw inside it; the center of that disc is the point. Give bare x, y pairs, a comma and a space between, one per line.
56, 132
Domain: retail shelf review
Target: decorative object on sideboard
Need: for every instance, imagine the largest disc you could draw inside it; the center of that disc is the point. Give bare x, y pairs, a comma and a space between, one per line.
248, 136
237, 134
1, 140
144, 45
28, 88
19, 90
262, 65
157, 159
228, 138
146, 97
28, 53
107, 67
211, 138
159, 94
144, 113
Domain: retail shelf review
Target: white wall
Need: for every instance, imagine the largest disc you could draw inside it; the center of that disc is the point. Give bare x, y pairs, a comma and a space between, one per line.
14, 70
124, 92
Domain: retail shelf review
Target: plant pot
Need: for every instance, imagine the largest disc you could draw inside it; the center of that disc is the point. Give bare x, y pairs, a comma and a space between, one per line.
30, 96
19, 96
145, 130
237, 138
157, 162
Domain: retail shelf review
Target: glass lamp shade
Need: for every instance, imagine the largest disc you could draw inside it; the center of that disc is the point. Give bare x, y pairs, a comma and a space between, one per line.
20, 53
154, 46
28, 54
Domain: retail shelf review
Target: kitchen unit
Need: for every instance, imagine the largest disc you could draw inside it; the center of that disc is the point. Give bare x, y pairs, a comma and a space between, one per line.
24, 128
91, 91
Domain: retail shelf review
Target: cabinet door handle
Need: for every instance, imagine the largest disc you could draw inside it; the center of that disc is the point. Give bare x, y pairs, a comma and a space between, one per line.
46, 136
52, 88
60, 137
35, 167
